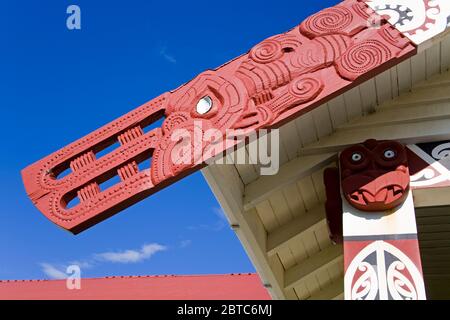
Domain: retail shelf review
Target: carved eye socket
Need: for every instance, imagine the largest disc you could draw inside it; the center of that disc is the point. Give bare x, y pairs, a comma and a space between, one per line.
389, 154
357, 157
204, 105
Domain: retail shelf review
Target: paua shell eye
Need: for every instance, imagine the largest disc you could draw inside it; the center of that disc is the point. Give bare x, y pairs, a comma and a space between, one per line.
356, 157
204, 105
389, 154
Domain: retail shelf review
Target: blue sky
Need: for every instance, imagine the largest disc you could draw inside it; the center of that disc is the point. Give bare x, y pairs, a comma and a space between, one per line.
57, 85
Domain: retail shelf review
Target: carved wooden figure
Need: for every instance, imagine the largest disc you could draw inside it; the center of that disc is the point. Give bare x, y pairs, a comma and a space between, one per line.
375, 220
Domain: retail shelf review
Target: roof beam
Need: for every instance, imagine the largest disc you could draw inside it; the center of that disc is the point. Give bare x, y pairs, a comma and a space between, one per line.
323, 259
431, 197
393, 116
289, 232
420, 116
420, 96
291, 172
332, 292
437, 81
408, 133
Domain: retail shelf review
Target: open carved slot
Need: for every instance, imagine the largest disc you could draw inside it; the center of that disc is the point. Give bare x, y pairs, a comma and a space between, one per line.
111, 146
108, 146
153, 125
108, 180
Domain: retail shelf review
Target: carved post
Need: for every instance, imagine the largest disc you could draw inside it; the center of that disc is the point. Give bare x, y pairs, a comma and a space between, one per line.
381, 250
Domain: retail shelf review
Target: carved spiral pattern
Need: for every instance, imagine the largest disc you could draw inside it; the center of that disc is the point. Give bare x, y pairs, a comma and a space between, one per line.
363, 57
432, 176
441, 152
366, 286
328, 21
174, 120
267, 51
399, 286
305, 88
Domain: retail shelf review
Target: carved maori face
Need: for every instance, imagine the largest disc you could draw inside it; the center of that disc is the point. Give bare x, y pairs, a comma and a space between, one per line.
210, 97
209, 103
375, 175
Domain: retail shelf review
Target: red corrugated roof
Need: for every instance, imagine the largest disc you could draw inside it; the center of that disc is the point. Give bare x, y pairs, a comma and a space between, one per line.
173, 287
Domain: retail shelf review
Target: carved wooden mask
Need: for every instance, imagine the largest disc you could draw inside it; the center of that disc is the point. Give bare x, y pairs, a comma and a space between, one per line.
374, 175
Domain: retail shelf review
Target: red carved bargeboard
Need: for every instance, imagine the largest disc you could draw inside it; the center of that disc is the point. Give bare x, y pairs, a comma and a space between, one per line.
278, 80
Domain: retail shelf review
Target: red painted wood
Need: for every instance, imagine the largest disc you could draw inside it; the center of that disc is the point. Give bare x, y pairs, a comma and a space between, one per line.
425, 158
369, 182
374, 175
280, 79
201, 287
333, 204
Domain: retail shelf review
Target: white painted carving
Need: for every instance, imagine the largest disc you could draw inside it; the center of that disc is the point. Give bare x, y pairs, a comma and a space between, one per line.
419, 20
383, 272
439, 166
366, 287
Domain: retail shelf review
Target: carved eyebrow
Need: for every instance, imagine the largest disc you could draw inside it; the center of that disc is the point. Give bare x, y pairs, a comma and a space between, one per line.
391, 145
361, 149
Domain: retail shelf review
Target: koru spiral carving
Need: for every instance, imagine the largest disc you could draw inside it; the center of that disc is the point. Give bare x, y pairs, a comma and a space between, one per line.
278, 80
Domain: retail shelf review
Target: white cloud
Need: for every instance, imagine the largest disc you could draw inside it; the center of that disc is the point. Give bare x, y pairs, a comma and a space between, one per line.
82, 264
219, 212
163, 53
126, 256
221, 223
185, 243
52, 271
131, 256
217, 226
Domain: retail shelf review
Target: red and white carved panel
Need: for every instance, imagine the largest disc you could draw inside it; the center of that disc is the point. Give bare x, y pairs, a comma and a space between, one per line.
379, 233
383, 270
381, 254
419, 20
429, 164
